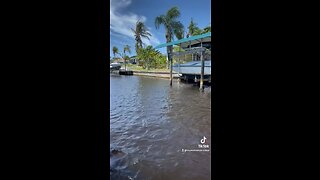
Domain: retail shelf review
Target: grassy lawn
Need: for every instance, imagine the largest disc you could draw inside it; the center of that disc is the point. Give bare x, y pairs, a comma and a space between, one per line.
135, 67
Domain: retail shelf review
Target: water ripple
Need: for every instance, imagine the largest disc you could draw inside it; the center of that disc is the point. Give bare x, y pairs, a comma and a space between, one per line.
150, 122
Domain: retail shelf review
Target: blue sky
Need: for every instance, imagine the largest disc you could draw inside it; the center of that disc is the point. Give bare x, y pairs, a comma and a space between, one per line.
125, 13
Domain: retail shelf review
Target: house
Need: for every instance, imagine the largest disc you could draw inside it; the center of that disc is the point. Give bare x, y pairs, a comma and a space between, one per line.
133, 60
118, 60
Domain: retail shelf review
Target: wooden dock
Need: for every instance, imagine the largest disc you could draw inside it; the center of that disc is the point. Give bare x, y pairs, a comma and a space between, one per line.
125, 72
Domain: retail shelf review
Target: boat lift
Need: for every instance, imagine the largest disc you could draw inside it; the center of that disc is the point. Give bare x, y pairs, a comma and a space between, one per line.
185, 43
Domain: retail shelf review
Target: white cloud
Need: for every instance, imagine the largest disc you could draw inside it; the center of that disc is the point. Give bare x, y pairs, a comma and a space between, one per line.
121, 23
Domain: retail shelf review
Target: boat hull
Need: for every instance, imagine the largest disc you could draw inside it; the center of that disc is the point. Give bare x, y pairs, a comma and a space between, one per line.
192, 68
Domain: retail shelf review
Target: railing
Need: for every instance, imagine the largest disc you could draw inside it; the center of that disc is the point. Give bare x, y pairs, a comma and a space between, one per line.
189, 51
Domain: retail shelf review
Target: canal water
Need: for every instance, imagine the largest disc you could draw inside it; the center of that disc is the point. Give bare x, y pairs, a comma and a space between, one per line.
156, 130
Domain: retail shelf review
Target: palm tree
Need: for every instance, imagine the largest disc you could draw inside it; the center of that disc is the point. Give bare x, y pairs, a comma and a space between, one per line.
140, 31
126, 58
115, 51
193, 29
126, 49
171, 25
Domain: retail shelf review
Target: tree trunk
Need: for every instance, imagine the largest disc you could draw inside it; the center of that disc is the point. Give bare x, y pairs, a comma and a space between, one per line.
169, 49
168, 59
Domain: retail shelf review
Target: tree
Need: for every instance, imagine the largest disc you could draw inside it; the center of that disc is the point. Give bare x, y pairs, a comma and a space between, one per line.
172, 26
115, 51
197, 31
207, 29
140, 31
193, 29
179, 33
149, 55
126, 58
126, 49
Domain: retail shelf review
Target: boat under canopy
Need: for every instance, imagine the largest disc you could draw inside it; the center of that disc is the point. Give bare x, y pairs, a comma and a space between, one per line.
192, 68
192, 45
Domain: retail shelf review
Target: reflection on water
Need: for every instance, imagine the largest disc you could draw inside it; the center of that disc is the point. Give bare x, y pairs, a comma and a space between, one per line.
150, 124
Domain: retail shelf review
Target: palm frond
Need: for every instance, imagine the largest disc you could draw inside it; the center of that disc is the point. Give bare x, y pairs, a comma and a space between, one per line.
127, 49
145, 36
178, 29
173, 13
134, 31
146, 33
207, 29
159, 20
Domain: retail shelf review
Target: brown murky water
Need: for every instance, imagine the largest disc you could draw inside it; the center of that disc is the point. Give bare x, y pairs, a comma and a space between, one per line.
150, 124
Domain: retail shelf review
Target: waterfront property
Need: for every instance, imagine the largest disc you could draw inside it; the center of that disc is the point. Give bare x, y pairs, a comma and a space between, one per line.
199, 68
158, 131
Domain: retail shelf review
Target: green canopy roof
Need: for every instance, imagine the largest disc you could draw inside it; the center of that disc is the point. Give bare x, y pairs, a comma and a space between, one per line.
186, 41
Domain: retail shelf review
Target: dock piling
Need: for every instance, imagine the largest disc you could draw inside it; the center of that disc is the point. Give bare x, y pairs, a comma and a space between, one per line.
202, 69
171, 73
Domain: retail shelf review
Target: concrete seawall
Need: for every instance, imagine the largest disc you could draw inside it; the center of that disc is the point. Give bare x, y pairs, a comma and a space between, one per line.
155, 74
158, 74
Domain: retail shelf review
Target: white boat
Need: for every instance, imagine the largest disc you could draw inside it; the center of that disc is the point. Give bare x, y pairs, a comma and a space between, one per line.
192, 68
115, 66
